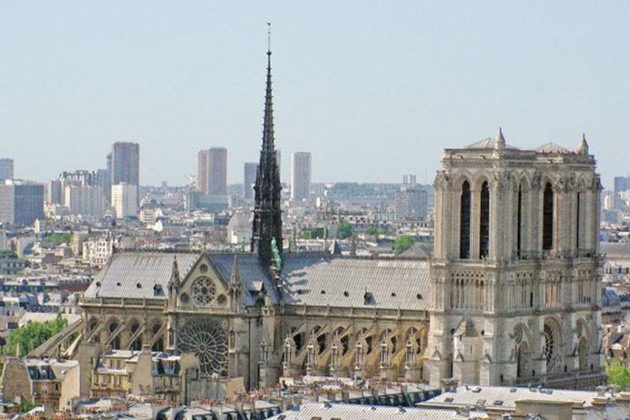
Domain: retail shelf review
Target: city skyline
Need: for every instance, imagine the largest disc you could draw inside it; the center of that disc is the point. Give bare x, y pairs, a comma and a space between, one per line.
400, 82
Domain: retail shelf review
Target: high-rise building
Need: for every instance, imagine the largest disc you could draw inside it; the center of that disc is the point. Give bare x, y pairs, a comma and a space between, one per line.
409, 180
6, 169
411, 204
21, 202
84, 200
125, 200
212, 171
300, 176
124, 166
621, 184
55, 191
125, 163
249, 179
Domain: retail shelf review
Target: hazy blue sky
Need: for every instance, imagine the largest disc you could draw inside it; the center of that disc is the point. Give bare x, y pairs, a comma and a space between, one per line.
372, 90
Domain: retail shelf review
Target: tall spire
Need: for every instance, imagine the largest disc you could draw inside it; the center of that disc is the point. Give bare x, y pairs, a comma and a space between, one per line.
499, 143
583, 146
267, 224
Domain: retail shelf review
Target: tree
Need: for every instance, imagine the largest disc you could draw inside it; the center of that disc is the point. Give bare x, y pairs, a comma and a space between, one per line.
618, 374
403, 243
344, 230
32, 335
372, 230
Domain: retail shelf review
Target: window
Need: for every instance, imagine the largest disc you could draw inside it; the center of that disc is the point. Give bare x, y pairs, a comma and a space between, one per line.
464, 223
577, 220
484, 221
519, 221
547, 239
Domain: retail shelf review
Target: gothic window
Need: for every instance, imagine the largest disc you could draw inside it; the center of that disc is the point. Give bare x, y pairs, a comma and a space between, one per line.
203, 291
549, 344
464, 222
519, 221
582, 353
206, 338
578, 210
522, 367
547, 239
484, 221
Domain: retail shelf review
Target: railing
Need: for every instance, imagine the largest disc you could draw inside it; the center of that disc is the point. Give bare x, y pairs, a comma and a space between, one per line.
125, 302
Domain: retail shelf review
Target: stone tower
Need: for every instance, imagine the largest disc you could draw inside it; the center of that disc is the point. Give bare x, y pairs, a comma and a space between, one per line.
515, 284
267, 224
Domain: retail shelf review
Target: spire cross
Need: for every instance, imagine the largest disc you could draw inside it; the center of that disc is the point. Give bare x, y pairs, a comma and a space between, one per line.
268, 37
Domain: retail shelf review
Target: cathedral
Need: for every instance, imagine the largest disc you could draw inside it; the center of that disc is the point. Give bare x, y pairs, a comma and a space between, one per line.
511, 294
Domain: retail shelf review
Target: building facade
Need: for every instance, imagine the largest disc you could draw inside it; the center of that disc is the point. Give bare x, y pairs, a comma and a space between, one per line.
21, 202
125, 200
249, 179
125, 163
6, 169
515, 283
411, 203
212, 171
300, 176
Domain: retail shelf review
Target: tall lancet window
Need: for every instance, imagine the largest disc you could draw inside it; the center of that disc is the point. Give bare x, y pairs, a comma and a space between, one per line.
547, 239
484, 221
464, 222
519, 221
578, 210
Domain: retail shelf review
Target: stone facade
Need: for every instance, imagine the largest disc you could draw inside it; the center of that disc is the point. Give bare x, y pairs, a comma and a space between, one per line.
515, 279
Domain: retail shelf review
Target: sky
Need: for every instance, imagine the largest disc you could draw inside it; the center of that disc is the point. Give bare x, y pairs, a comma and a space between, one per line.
373, 90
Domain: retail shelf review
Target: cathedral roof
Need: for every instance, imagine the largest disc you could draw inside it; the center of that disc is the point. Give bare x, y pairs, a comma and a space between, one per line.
325, 280
250, 273
489, 143
552, 148
135, 274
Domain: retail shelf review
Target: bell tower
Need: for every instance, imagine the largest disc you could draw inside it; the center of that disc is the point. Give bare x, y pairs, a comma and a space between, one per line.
515, 286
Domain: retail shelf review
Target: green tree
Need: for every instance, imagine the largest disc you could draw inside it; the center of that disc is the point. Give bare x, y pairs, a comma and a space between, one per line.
403, 243
344, 230
372, 230
32, 335
618, 374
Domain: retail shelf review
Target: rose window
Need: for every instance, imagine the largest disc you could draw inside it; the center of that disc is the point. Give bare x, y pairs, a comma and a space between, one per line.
203, 291
549, 344
206, 338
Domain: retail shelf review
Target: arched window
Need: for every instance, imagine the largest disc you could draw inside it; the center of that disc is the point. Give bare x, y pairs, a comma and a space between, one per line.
547, 239
578, 210
519, 221
484, 221
464, 222
522, 357
583, 353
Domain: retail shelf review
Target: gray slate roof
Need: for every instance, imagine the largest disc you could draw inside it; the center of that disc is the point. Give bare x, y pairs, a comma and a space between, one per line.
552, 148
504, 397
327, 410
251, 273
322, 280
124, 271
615, 249
488, 143
388, 283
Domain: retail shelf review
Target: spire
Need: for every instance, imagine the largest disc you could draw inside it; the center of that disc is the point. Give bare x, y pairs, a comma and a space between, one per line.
499, 143
235, 277
267, 224
174, 280
583, 147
